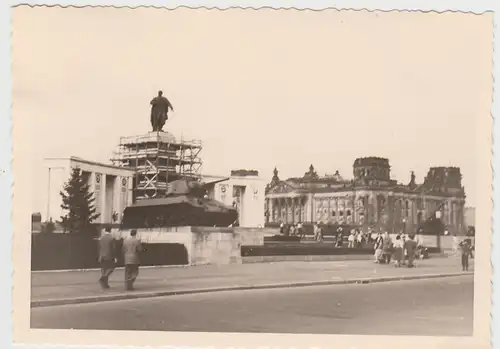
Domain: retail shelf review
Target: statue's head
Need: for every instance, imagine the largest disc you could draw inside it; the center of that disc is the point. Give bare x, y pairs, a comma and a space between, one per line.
160, 93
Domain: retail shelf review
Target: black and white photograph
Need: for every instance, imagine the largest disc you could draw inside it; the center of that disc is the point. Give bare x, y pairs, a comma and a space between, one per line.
252, 172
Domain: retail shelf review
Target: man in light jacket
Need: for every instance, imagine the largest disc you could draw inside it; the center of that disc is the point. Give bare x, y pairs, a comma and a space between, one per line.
131, 250
107, 258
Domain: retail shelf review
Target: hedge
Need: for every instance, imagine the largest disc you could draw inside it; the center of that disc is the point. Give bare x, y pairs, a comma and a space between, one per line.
308, 250
301, 250
65, 251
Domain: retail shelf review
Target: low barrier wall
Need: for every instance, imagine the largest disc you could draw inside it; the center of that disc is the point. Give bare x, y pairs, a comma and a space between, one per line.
65, 251
191, 246
255, 236
204, 245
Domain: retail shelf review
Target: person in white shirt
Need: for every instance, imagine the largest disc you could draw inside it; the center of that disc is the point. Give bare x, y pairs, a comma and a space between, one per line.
398, 251
455, 244
351, 239
360, 239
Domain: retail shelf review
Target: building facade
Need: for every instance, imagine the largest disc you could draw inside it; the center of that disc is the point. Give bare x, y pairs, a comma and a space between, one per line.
245, 191
370, 199
470, 216
111, 185
113, 188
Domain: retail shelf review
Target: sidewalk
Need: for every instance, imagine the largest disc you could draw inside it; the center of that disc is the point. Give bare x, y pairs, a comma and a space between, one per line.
70, 287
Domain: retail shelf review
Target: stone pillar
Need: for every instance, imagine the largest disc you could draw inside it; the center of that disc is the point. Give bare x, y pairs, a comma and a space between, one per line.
294, 207
310, 208
130, 188
301, 209
278, 209
104, 204
270, 210
98, 195
277, 203
374, 202
287, 210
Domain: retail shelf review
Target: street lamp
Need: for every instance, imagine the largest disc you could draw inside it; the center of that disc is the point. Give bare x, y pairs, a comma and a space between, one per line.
48, 187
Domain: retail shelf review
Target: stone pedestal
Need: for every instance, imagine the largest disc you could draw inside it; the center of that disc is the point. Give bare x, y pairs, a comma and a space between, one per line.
204, 245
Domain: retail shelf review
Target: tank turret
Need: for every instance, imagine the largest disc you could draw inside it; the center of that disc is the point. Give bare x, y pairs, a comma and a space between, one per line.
186, 204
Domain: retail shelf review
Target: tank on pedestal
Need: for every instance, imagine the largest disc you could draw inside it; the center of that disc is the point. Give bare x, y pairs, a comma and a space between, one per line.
186, 204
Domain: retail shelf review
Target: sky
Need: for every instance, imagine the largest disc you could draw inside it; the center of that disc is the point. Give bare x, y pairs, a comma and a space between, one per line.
260, 88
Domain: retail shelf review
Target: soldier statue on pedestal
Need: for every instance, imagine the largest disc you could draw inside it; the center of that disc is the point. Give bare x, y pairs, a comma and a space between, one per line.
159, 111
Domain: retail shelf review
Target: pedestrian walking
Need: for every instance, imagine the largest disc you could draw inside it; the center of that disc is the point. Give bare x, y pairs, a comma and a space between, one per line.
398, 251
351, 239
300, 230
410, 246
387, 248
131, 251
339, 238
318, 233
455, 245
107, 257
360, 239
378, 245
466, 251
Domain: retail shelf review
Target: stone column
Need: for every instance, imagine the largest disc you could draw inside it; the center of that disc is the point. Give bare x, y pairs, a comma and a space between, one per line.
278, 210
374, 202
97, 180
310, 208
104, 206
130, 190
301, 209
270, 210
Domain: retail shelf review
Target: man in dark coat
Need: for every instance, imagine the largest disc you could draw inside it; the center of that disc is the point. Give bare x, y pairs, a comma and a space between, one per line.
159, 111
466, 252
107, 258
410, 246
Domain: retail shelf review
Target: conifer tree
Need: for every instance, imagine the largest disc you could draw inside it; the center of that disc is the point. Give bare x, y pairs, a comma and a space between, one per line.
78, 201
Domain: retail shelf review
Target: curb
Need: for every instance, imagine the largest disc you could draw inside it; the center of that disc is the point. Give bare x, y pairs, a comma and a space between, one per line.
117, 268
129, 296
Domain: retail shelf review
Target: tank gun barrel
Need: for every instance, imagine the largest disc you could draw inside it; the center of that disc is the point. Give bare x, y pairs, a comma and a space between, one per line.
215, 182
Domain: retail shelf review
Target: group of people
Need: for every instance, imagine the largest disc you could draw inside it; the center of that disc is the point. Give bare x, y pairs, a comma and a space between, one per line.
108, 258
401, 249
293, 230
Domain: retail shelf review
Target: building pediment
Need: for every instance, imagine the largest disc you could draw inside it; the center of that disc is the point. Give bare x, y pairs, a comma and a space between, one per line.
281, 187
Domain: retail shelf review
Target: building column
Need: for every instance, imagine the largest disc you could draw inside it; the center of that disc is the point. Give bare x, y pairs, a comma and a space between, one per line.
130, 188
270, 210
337, 209
283, 210
301, 208
104, 206
294, 215
374, 215
116, 197
97, 190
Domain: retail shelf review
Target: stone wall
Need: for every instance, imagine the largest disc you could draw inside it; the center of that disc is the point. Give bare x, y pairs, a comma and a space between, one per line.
204, 245
255, 236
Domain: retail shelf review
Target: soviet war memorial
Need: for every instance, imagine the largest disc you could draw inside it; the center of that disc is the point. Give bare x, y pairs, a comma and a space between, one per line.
154, 203
246, 186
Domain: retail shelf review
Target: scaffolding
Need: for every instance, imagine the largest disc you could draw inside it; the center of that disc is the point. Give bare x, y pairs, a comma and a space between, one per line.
158, 159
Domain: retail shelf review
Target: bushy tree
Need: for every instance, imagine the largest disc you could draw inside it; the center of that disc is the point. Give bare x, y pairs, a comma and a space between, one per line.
78, 201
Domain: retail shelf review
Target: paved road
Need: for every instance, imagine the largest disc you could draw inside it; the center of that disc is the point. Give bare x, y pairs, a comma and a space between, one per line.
57, 285
424, 307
